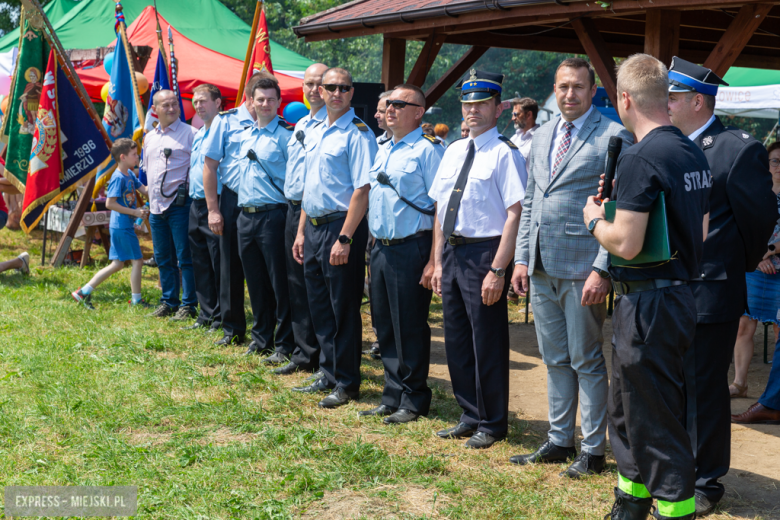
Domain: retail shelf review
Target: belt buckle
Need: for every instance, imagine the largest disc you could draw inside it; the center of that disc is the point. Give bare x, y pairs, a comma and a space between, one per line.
384, 241
314, 221
451, 241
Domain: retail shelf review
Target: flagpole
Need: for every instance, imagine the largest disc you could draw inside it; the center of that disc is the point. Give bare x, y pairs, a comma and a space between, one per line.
67, 67
130, 61
249, 48
160, 43
6, 119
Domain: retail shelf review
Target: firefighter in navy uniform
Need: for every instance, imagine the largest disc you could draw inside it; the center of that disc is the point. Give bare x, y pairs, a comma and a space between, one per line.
743, 213
655, 318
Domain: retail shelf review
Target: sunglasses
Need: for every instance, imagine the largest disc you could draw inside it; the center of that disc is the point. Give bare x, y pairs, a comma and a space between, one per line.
398, 104
332, 88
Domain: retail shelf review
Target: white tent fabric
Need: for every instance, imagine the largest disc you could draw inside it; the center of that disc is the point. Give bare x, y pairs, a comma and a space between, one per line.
7, 63
763, 101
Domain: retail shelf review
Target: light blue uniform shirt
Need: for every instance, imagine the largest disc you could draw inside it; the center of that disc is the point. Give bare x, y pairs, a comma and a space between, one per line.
411, 164
223, 144
296, 168
337, 163
258, 180
196, 166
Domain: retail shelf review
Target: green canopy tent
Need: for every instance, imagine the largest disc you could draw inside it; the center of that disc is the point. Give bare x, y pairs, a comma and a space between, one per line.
751, 93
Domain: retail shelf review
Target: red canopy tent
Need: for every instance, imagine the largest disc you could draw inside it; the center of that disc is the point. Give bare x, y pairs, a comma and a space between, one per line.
197, 65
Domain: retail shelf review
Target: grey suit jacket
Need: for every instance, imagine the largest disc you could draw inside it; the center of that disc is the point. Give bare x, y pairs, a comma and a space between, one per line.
552, 209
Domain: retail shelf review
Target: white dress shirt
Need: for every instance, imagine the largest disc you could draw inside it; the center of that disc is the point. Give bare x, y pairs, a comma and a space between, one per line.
560, 131
523, 139
497, 181
698, 132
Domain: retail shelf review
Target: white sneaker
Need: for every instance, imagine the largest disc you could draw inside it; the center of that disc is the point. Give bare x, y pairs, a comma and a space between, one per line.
25, 269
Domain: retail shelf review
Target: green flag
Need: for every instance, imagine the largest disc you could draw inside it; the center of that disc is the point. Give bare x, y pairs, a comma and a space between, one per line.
25, 94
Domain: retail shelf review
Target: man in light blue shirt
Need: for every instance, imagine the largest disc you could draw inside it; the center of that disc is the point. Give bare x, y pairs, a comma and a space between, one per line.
204, 244
261, 223
334, 230
401, 261
306, 355
222, 160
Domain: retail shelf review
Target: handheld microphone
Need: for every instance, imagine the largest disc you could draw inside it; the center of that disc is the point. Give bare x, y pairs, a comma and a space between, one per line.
613, 151
383, 179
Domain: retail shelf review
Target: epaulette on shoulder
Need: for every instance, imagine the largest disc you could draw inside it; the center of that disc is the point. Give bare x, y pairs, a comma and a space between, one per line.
508, 142
360, 124
226, 112
741, 134
431, 139
284, 124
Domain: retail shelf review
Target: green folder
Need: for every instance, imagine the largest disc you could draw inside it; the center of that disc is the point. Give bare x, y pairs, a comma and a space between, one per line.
656, 246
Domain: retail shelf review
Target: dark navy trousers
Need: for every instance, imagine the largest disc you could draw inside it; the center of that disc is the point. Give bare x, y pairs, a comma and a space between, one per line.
231, 279
307, 350
204, 249
476, 336
400, 311
335, 294
260, 242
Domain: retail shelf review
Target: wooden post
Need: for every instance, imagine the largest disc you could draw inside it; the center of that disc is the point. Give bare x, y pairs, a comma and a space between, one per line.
599, 55
662, 34
425, 60
735, 38
453, 74
393, 60
249, 49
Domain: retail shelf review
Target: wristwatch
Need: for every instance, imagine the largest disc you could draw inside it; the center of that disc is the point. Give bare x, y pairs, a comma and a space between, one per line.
601, 272
498, 271
592, 224
344, 239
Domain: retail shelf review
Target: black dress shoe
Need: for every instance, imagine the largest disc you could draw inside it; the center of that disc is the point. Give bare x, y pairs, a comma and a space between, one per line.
230, 340
318, 386
214, 328
401, 416
286, 370
253, 349
629, 508
482, 440
277, 358
339, 397
547, 452
375, 353
319, 374
195, 326
703, 505
456, 432
382, 409
585, 464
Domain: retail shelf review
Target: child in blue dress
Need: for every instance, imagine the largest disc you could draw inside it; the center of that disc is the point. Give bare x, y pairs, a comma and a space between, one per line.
124, 210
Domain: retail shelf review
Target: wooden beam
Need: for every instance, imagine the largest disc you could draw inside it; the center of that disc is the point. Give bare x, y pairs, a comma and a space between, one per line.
600, 56
662, 34
736, 37
425, 60
393, 61
75, 221
453, 74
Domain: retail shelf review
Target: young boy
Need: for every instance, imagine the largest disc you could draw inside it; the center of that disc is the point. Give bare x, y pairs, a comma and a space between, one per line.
124, 210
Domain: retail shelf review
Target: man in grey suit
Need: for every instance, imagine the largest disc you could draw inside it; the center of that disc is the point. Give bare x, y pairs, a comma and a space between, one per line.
568, 269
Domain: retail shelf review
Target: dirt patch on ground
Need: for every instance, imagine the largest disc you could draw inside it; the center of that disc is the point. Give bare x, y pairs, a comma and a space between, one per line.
383, 502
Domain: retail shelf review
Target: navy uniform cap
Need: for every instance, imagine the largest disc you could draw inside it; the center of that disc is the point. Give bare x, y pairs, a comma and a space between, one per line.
479, 86
685, 76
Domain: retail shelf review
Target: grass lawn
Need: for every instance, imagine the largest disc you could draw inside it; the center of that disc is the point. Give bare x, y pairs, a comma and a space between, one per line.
115, 398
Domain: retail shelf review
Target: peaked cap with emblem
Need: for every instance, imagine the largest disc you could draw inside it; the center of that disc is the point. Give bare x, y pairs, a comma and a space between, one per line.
480, 86
685, 76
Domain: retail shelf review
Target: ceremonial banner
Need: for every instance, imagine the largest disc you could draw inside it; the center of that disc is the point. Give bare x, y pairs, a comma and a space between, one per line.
161, 82
19, 122
261, 57
67, 148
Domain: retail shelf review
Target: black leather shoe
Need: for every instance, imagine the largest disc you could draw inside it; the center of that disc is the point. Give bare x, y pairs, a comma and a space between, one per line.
547, 452
215, 327
481, 441
629, 509
230, 340
401, 416
196, 326
703, 505
319, 374
382, 409
585, 464
317, 386
456, 432
277, 358
286, 370
253, 349
339, 397
375, 353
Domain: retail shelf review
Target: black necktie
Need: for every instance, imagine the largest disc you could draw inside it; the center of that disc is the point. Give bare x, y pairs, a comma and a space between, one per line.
457, 193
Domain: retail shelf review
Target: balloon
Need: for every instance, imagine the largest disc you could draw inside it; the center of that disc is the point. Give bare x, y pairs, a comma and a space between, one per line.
142, 82
4, 104
306, 102
108, 62
294, 111
104, 91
